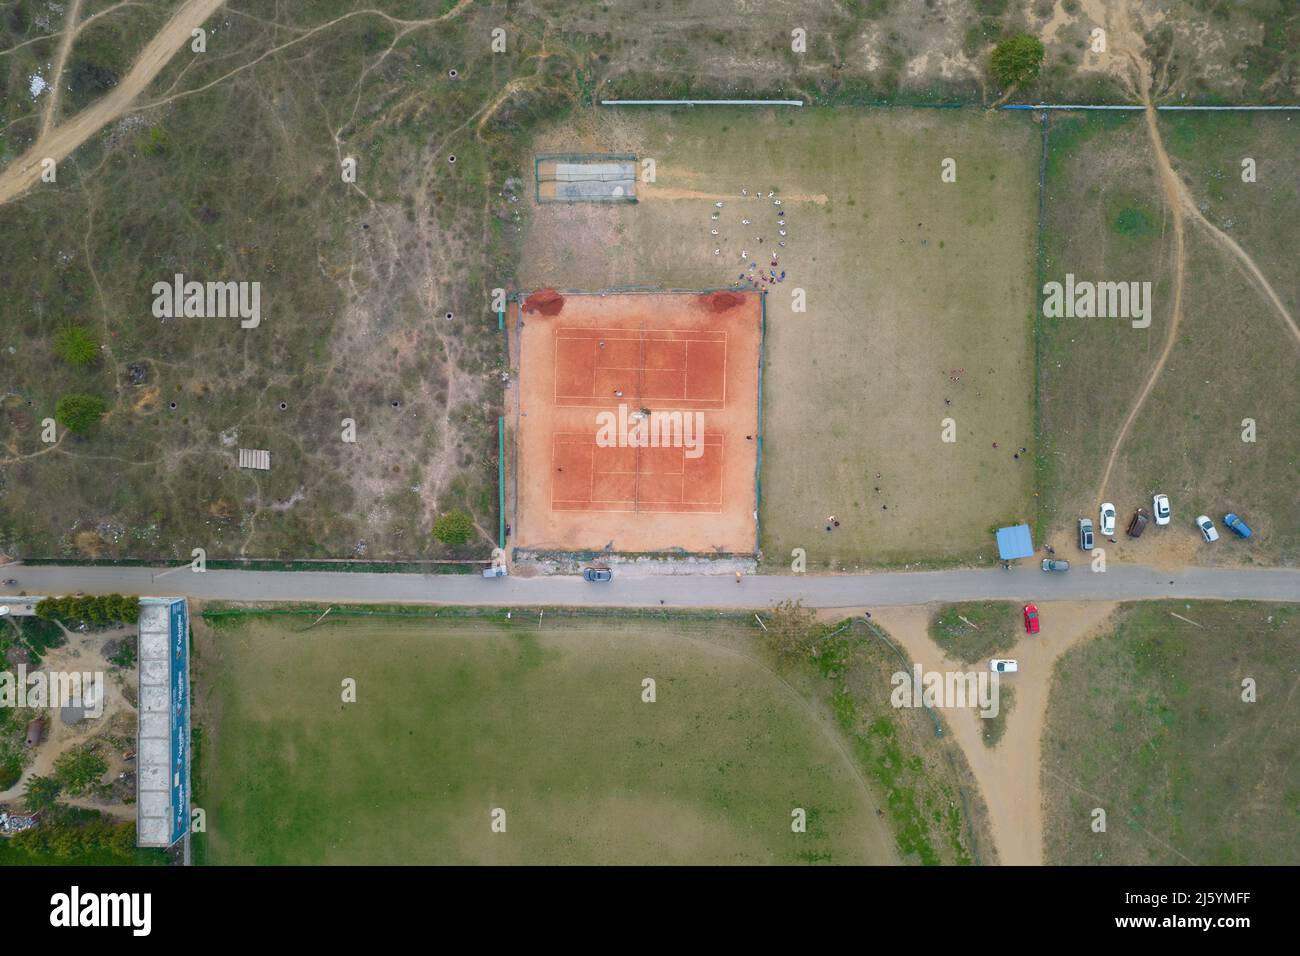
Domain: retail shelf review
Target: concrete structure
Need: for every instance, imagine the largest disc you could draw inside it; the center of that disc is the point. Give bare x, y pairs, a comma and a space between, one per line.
163, 737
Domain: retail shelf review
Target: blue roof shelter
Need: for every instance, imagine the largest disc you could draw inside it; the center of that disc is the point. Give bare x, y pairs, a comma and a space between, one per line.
1015, 542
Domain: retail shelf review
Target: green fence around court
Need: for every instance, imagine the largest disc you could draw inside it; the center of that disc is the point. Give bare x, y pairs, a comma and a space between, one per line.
501, 481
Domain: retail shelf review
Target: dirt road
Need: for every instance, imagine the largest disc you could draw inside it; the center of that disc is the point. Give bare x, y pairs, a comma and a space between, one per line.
58, 142
1009, 774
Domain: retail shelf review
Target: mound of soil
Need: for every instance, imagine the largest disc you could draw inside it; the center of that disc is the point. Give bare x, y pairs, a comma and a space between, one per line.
721, 301
545, 301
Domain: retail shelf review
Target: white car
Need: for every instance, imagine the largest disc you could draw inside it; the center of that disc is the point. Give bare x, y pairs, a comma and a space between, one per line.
1003, 667
1160, 508
1107, 519
1208, 531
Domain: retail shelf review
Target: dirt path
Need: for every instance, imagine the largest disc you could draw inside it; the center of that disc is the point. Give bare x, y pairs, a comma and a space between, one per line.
60, 141
71, 28
1009, 775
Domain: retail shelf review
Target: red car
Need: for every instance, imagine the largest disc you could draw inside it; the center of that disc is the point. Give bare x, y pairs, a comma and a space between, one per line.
1031, 618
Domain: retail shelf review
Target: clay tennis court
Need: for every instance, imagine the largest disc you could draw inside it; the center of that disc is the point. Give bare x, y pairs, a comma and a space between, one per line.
638, 421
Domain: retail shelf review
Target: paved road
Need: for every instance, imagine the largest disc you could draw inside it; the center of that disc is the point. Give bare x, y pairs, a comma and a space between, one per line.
882, 589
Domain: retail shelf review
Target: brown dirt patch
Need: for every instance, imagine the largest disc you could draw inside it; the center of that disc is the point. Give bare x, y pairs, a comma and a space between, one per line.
545, 301
721, 301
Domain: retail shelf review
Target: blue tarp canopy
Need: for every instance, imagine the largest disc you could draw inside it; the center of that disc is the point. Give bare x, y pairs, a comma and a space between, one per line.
1015, 542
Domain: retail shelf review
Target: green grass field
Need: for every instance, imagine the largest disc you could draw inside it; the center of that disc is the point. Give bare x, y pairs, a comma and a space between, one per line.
468, 712
453, 720
1149, 724
989, 628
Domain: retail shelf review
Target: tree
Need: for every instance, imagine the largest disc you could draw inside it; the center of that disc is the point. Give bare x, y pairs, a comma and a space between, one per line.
1016, 60
792, 631
79, 413
75, 345
41, 792
454, 528
78, 770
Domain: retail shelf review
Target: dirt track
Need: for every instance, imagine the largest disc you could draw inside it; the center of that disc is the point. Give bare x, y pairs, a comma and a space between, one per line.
1009, 775
60, 141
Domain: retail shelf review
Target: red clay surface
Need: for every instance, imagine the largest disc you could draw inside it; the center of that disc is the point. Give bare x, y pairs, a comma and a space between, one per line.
689, 360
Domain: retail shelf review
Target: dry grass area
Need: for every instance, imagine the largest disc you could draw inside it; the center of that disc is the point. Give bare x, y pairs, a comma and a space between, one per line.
1233, 358
1151, 724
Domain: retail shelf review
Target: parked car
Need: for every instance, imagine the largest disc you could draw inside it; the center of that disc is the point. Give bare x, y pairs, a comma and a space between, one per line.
1107, 519
1031, 618
1138, 524
1236, 524
1160, 505
1003, 666
1085, 534
1055, 564
596, 575
496, 571
1207, 529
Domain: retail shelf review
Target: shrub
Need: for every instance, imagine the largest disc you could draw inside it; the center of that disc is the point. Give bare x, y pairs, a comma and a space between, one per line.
454, 528
10, 770
79, 413
76, 345
78, 770
93, 609
41, 792
1017, 60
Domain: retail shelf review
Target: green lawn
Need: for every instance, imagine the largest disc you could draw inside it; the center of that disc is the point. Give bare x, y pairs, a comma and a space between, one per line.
455, 719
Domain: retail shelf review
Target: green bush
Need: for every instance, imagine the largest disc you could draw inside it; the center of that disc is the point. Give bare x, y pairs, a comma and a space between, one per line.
76, 345
1017, 60
454, 528
78, 770
99, 610
79, 413
40, 794
10, 770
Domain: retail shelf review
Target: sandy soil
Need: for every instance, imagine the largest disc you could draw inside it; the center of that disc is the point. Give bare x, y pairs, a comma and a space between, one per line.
1009, 775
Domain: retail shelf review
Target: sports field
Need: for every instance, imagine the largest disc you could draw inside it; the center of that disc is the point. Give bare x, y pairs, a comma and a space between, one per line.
917, 297
543, 718
637, 421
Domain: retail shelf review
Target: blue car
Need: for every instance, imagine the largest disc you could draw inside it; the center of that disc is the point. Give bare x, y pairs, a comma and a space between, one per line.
597, 575
1237, 525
